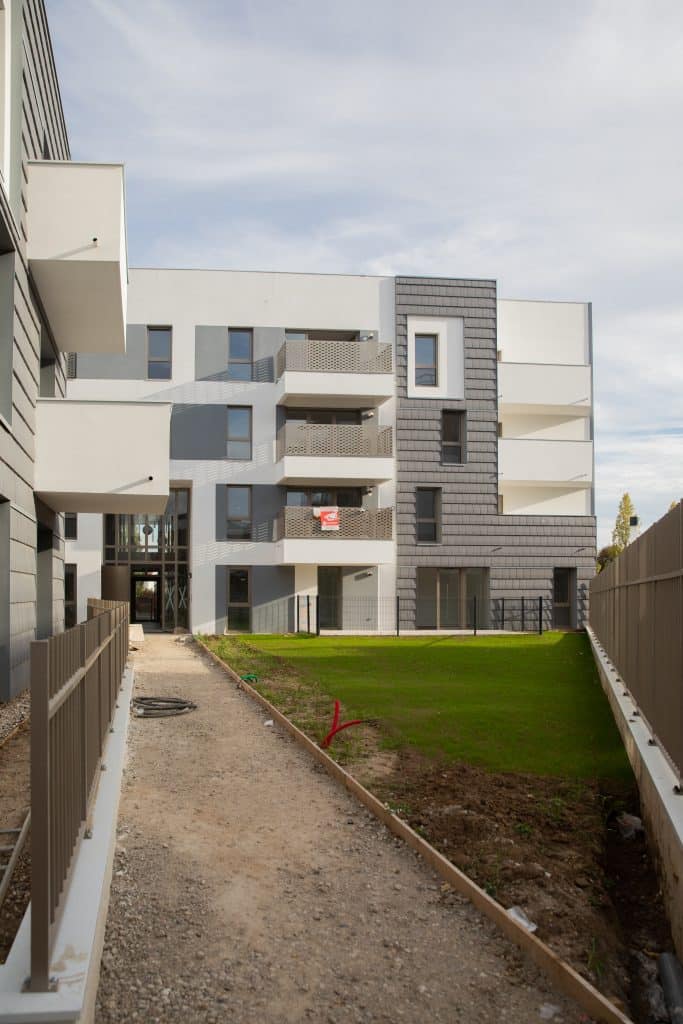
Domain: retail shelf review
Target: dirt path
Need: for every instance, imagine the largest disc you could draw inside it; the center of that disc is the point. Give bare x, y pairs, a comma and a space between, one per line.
249, 887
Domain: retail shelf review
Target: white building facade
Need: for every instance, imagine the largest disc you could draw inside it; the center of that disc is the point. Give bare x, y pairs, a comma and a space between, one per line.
349, 452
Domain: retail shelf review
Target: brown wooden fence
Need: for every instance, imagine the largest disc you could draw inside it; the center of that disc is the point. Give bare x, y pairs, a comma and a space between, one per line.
75, 680
636, 612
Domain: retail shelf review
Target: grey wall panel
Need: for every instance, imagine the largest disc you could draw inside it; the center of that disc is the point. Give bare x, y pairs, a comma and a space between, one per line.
272, 590
210, 353
266, 502
267, 344
131, 365
221, 599
359, 609
198, 432
520, 551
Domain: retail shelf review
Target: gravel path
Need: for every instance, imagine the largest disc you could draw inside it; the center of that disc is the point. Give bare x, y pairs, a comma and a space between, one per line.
13, 713
249, 887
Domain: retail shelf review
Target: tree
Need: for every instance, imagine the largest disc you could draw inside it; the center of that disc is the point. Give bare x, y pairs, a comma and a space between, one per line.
673, 504
621, 534
605, 556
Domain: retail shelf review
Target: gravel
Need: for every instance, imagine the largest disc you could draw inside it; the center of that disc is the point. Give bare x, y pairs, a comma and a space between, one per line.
13, 713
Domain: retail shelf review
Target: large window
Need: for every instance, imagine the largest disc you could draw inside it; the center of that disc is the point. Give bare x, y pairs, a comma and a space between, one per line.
453, 434
159, 353
239, 600
343, 497
428, 511
70, 592
239, 432
70, 526
426, 360
239, 513
240, 354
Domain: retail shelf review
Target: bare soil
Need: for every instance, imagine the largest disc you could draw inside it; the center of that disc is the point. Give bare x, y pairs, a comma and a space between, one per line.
15, 798
250, 887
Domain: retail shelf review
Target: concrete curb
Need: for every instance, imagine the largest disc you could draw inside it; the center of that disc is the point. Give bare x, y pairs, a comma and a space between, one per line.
565, 977
77, 949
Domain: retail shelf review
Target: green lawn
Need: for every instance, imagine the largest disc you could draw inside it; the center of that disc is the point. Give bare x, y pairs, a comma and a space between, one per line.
523, 703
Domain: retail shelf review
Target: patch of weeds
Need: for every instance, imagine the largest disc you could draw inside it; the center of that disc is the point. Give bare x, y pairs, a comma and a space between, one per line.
400, 809
595, 961
490, 888
524, 829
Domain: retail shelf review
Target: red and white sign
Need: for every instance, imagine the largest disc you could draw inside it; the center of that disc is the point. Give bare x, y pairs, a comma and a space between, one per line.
329, 518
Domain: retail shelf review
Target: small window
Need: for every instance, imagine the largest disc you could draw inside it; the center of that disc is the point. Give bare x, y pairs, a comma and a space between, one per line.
70, 603
500, 429
427, 507
426, 370
500, 505
240, 358
239, 432
159, 353
239, 601
453, 433
70, 526
239, 513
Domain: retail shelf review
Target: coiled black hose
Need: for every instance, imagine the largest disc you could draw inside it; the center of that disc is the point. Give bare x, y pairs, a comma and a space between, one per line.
161, 707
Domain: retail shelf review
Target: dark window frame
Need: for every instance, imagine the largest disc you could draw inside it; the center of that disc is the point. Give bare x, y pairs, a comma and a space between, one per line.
459, 446
155, 359
435, 519
71, 605
71, 518
238, 604
242, 362
427, 366
240, 439
249, 518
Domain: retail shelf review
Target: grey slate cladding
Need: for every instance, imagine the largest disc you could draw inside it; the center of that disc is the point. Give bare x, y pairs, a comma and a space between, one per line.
471, 528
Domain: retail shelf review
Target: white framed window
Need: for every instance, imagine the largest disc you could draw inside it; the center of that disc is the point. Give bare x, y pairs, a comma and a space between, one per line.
436, 357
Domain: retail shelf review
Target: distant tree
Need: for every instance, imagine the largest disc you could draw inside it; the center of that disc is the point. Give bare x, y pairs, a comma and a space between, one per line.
605, 556
673, 504
621, 534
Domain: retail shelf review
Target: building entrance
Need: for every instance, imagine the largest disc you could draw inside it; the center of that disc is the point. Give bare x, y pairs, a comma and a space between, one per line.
145, 605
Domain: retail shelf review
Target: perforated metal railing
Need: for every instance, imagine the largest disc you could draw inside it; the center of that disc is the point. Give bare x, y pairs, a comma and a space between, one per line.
323, 356
354, 524
322, 439
75, 680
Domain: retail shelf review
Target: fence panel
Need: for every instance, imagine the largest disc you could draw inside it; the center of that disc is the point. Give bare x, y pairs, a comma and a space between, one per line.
75, 679
636, 612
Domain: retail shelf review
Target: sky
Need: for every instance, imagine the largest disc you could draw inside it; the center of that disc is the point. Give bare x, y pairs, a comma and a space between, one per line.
534, 142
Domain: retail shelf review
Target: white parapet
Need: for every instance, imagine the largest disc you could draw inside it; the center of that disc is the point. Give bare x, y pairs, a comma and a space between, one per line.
544, 388
553, 463
102, 456
77, 252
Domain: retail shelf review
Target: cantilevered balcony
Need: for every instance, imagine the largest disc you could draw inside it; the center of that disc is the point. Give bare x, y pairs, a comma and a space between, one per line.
102, 456
546, 462
316, 453
364, 537
77, 252
334, 372
544, 388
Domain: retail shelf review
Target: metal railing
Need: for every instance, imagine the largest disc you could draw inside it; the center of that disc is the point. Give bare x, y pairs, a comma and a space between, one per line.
324, 439
299, 523
75, 680
327, 356
636, 612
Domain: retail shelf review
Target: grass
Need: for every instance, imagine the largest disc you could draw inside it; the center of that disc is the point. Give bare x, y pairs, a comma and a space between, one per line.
512, 704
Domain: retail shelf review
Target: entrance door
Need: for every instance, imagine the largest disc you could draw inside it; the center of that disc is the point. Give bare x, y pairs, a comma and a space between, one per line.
329, 596
564, 588
145, 599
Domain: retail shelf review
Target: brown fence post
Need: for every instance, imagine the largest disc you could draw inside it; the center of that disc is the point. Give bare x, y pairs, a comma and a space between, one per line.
41, 850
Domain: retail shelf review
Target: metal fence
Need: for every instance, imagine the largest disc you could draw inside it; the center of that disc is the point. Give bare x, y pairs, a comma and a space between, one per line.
313, 613
636, 612
329, 356
75, 680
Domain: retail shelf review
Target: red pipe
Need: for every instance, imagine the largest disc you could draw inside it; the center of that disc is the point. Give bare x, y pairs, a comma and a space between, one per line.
336, 727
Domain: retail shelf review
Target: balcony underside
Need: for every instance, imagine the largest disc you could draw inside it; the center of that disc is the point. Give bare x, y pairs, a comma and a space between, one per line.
312, 471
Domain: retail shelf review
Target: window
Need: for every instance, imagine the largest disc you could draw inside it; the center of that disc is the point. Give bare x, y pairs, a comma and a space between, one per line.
240, 345
159, 353
239, 513
343, 497
70, 526
239, 432
453, 434
426, 348
239, 604
70, 604
500, 505
427, 507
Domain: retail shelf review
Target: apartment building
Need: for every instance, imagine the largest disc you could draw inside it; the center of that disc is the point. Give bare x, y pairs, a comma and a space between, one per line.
63, 282
349, 452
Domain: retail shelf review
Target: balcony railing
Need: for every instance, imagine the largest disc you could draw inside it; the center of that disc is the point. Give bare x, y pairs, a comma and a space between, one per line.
324, 439
354, 524
321, 356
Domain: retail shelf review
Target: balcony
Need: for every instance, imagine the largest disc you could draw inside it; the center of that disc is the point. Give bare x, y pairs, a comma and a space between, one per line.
547, 463
364, 537
544, 388
102, 456
77, 252
334, 372
316, 453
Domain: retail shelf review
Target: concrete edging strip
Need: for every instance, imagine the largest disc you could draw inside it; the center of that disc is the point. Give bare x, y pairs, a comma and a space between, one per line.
77, 947
561, 973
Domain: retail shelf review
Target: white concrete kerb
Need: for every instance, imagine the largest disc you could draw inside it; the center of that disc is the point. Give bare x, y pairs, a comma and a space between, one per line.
77, 947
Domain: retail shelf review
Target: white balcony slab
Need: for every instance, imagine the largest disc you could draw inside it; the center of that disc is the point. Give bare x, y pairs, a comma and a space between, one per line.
334, 390
545, 388
553, 463
335, 552
312, 470
102, 456
77, 252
